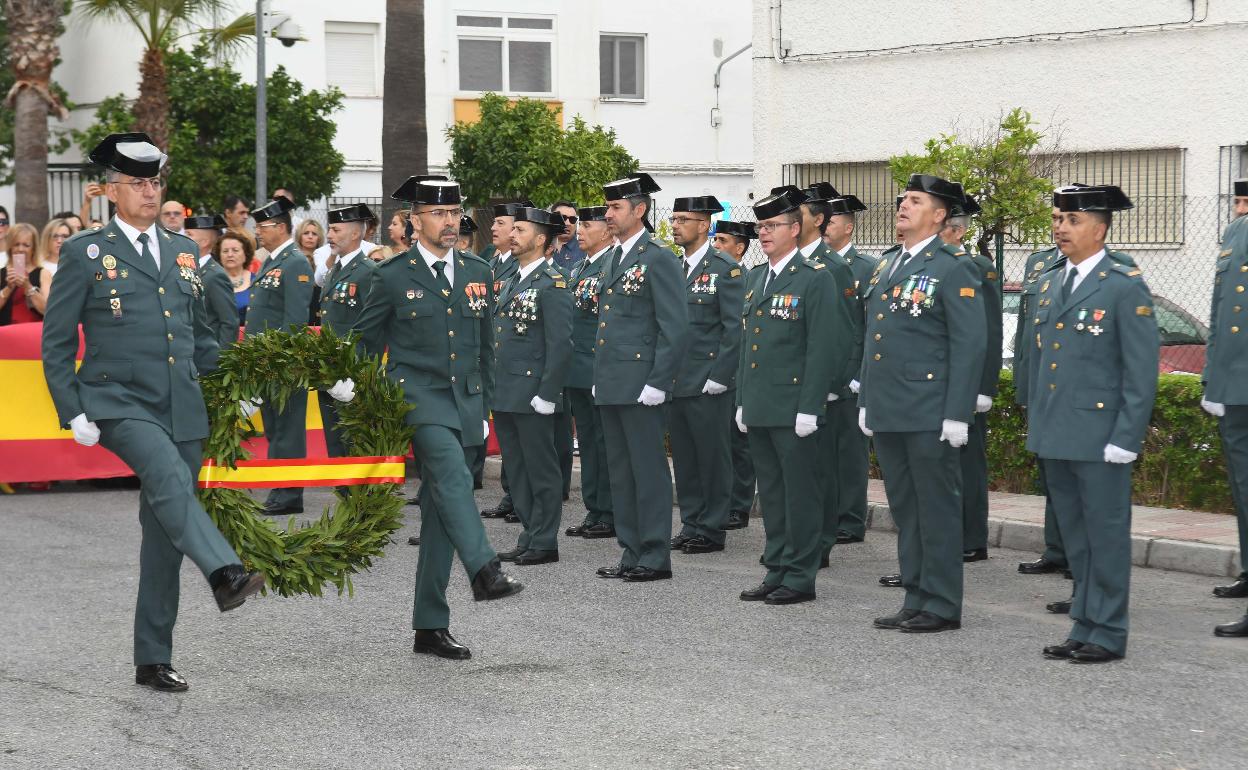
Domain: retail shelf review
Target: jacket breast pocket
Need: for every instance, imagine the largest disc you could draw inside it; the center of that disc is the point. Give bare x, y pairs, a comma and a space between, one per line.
926, 371
1098, 400
634, 353
472, 383
520, 368
106, 371
107, 290
413, 311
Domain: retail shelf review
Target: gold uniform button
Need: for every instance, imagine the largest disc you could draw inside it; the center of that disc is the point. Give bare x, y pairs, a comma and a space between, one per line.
448, 311
1234, 330
453, 355
879, 316
712, 355
1238, 289
528, 373
757, 330
1243, 268
451, 333
402, 380
1052, 386
170, 336
639, 355
1100, 405
609, 291
168, 314
500, 328
877, 356
1053, 365
930, 375
1237, 308
753, 365
794, 380
114, 291
754, 347
414, 314
601, 324
161, 290
606, 307
877, 337
171, 359
1058, 325
452, 378
1057, 346
756, 312
602, 342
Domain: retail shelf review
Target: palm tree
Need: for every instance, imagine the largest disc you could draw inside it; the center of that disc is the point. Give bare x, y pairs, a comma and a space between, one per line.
34, 26
404, 133
161, 23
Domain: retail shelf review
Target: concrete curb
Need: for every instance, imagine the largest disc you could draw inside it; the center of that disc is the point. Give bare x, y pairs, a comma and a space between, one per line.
1154, 552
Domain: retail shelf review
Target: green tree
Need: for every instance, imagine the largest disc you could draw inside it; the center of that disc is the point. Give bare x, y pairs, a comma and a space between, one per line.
212, 145
519, 149
1004, 168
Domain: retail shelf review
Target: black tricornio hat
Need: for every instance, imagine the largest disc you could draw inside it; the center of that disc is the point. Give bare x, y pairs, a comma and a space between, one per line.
592, 214
1241, 188
740, 229
846, 204
821, 192
1106, 197
632, 186
967, 207
204, 222
934, 185
436, 192
407, 190
273, 209
467, 226
780, 203
698, 204
551, 220
510, 209
131, 153
356, 212
792, 190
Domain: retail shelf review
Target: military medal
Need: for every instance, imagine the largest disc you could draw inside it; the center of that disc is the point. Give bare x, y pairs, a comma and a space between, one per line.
125, 273
109, 262
1095, 329
115, 304
112, 275
411, 294
93, 251
1083, 313
99, 276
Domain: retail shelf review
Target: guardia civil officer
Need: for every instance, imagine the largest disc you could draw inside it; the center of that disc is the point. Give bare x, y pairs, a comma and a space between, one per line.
430, 309
796, 342
134, 288
533, 348
1089, 405
595, 239
732, 239
643, 329
702, 403
281, 294
922, 364
467, 230
220, 309
565, 443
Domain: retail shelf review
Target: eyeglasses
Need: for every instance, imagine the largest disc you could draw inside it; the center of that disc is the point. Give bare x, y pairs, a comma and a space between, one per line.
139, 185
767, 227
4, 223
569, 219
681, 220
443, 213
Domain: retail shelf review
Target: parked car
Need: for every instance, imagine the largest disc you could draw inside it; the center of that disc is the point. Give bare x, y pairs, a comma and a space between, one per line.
1183, 336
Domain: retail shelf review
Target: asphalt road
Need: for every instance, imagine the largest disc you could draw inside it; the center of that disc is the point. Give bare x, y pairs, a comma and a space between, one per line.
579, 672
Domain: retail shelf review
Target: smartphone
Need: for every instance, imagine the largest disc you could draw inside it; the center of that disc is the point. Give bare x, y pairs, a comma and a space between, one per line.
18, 264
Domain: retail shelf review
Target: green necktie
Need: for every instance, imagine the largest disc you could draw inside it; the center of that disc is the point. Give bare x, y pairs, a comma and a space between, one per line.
1068, 285
147, 252
439, 267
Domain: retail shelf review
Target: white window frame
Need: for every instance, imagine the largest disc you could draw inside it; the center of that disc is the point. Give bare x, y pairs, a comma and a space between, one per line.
645, 68
506, 35
355, 28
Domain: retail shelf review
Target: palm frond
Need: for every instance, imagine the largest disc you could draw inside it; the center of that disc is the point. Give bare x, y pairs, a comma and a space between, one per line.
232, 37
121, 11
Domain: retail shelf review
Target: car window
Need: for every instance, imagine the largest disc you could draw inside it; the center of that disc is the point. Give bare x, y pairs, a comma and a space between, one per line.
1175, 326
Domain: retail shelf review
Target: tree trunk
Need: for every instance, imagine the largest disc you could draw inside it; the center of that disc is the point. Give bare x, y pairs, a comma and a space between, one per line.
404, 133
151, 111
30, 157
34, 26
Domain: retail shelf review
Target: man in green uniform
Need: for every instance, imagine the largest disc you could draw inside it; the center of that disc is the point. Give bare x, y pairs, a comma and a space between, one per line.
430, 308
796, 342
533, 323
565, 443
595, 239
220, 308
974, 456
467, 230
732, 239
643, 329
133, 287
1089, 405
281, 296
922, 363
702, 403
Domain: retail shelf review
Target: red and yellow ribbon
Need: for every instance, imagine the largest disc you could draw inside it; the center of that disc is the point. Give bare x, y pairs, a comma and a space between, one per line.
316, 472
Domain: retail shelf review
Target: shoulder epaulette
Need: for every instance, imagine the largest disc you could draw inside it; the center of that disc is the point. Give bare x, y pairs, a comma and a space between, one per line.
813, 264
469, 256
82, 234
891, 249
1121, 258
1131, 271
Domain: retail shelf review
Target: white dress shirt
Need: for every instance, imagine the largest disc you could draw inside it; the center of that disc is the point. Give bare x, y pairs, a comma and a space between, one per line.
628, 245
692, 260
778, 268
132, 235
1083, 269
430, 258
809, 248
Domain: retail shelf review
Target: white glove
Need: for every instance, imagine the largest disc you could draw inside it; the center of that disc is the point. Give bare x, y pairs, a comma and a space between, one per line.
805, 425
740, 425
593, 391
855, 385
1118, 455
250, 407
713, 388
651, 396
485, 427
832, 397
862, 422
85, 431
983, 403
343, 390
542, 406
1213, 408
954, 432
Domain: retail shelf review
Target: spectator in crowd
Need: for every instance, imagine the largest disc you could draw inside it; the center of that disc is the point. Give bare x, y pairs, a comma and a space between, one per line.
20, 243
310, 238
467, 234
381, 253
54, 234
92, 191
235, 252
73, 220
283, 192
235, 211
96, 224
173, 216
568, 252
398, 231
4, 231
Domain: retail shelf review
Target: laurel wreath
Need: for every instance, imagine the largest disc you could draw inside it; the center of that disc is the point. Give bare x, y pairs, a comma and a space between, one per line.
276, 366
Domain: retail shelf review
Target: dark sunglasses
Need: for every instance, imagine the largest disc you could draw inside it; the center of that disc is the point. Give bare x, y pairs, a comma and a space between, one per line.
569, 219
4, 223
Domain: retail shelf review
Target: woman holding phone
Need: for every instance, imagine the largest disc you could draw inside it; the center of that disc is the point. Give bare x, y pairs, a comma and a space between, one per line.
54, 234
20, 243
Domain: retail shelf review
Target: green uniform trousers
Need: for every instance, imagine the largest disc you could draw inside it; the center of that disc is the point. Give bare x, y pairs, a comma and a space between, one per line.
702, 462
641, 484
742, 469
1054, 549
851, 470
528, 443
595, 480
923, 481
1233, 427
1093, 504
974, 460
449, 523
564, 447
286, 432
174, 524
791, 496
829, 459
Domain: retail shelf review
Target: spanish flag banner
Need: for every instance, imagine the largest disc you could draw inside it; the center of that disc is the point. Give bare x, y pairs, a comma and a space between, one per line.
324, 472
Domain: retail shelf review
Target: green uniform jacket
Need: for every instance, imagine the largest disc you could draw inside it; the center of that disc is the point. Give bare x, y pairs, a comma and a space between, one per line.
281, 293
502, 273
862, 266
844, 277
990, 287
797, 337
346, 292
146, 333
643, 327
441, 348
221, 310
1097, 354
533, 340
925, 339
584, 282
1226, 357
713, 296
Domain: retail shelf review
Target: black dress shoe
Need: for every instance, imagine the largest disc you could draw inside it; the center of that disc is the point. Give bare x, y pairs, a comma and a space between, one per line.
512, 518
414, 501
844, 538
786, 595
1066, 573
927, 623
1238, 628
679, 541
701, 544
1041, 566
599, 530
825, 562
641, 574
577, 530
1063, 650
497, 512
275, 509
758, 594
530, 558
491, 582
976, 554
1093, 653
231, 585
160, 677
1236, 590
738, 520
414, 540
892, 581
438, 641
1060, 608
613, 572
894, 622
511, 555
